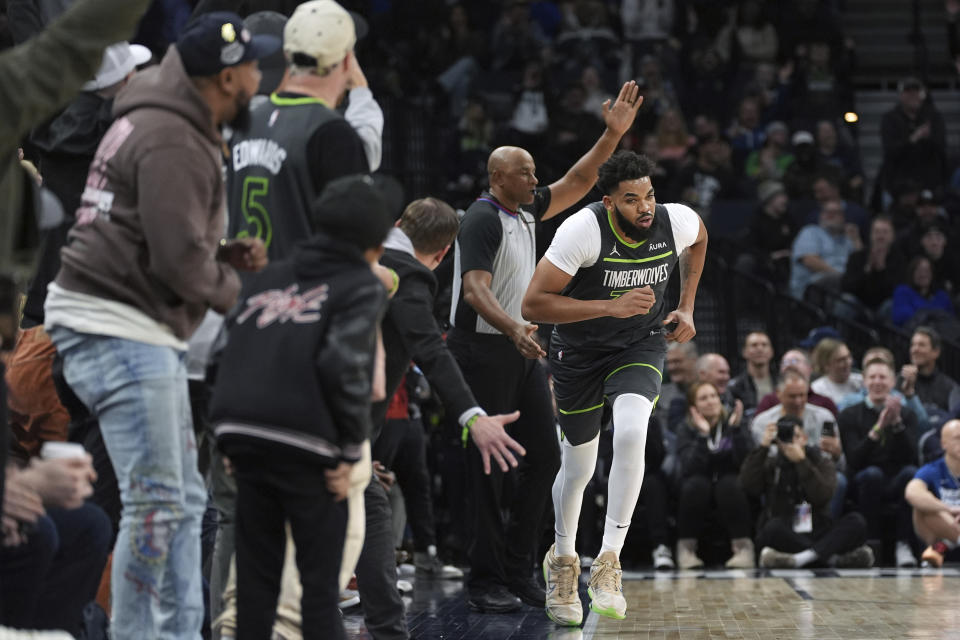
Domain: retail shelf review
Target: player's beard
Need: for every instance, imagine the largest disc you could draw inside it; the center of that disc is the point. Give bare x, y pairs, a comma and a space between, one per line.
628, 227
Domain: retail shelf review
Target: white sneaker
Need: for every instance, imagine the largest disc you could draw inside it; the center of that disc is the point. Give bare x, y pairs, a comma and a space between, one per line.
743, 554
606, 587
687, 557
562, 577
404, 586
905, 557
25, 634
663, 559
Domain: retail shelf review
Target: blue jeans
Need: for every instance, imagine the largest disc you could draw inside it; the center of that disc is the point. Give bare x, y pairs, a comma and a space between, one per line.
139, 394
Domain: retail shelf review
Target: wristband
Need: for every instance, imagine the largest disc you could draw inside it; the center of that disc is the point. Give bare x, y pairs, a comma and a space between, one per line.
396, 282
465, 434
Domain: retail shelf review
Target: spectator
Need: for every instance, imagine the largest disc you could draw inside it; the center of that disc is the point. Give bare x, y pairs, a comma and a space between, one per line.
772, 159
806, 167
793, 391
822, 86
798, 360
708, 178
746, 133
879, 440
833, 361
714, 368
826, 188
711, 446
943, 258
905, 390
757, 380
842, 156
673, 140
139, 295
751, 39
531, 113
936, 390
681, 365
516, 38
795, 527
288, 467
414, 249
920, 297
874, 271
51, 573
934, 495
573, 130
914, 138
820, 251
771, 235
596, 93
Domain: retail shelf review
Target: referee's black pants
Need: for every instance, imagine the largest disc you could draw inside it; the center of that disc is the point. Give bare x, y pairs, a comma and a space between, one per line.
503, 550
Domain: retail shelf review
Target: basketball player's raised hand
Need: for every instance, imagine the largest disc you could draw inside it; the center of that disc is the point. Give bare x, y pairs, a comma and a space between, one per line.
492, 441
635, 302
619, 117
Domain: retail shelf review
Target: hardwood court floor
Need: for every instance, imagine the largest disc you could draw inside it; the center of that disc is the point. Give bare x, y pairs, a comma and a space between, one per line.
873, 604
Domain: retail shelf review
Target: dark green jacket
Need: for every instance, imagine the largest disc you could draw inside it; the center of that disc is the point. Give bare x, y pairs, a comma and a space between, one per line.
39, 78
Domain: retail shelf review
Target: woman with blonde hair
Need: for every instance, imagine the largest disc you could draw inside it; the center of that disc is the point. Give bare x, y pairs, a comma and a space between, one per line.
832, 360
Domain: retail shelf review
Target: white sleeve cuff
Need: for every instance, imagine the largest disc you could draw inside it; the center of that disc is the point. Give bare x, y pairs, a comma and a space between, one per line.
469, 413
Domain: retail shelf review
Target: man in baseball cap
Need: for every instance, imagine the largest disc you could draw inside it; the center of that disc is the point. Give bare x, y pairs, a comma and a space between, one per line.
319, 34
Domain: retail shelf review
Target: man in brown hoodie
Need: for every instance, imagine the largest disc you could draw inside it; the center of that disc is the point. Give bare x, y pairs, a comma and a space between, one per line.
140, 270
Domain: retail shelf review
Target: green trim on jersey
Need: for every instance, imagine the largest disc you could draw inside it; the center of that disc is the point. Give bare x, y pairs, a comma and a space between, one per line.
618, 236
295, 102
634, 364
574, 411
638, 260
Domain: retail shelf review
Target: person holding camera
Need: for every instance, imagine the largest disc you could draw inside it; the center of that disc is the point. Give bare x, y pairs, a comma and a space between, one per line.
797, 482
879, 439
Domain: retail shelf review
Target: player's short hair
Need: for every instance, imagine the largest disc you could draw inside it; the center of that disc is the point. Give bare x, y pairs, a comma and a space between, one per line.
623, 165
430, 223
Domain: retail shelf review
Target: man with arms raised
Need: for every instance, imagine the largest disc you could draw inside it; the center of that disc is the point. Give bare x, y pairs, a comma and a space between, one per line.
603, 282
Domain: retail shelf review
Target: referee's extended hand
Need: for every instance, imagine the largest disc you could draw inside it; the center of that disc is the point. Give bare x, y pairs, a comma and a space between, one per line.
524, 339
491, 439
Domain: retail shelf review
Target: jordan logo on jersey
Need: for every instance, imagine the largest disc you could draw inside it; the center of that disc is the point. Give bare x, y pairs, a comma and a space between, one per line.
614, 251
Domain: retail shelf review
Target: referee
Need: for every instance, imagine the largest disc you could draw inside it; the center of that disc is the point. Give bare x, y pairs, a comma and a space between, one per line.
498, 353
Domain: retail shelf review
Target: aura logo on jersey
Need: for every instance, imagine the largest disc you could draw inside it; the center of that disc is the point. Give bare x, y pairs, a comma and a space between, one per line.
629, 278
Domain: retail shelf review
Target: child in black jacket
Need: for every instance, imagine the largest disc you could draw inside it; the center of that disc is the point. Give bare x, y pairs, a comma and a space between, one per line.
291, 405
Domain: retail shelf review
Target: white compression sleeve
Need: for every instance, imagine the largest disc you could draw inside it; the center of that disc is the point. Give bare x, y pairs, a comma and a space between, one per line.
576, 468
631, 415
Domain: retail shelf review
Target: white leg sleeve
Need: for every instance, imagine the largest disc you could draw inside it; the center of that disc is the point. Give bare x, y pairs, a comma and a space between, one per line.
576, 468
631, 414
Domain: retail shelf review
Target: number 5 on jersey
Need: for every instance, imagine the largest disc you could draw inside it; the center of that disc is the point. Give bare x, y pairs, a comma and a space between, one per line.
256, 216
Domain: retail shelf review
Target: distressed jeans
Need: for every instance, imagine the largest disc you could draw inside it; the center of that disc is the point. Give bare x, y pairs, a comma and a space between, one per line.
139, 394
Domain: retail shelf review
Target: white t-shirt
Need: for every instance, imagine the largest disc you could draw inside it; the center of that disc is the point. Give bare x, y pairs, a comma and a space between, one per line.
577, 241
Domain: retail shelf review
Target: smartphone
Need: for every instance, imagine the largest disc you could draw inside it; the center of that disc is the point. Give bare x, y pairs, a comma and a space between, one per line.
829, 429
785, 427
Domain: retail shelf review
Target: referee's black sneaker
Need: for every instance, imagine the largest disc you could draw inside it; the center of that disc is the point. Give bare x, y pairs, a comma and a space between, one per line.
529, 592
495, 599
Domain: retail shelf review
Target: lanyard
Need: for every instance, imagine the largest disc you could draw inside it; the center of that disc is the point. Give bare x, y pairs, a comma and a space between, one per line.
498, 206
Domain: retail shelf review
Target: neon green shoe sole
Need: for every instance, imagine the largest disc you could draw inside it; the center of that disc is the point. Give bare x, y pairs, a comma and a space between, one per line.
609, 613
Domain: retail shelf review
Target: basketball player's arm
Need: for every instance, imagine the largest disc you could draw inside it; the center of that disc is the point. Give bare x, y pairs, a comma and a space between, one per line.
577, 182
691, 267
543, 301
477, 293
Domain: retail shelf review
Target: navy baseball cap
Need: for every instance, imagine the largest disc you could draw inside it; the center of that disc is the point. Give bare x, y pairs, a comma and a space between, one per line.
214, 41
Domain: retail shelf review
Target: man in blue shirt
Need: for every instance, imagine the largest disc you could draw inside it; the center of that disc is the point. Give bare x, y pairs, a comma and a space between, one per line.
934, 494
820, 251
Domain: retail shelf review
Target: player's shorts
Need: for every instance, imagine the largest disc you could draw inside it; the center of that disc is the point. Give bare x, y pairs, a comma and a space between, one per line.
585, 382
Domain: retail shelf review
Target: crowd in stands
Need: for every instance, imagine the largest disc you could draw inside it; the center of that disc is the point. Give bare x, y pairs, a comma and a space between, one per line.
807, 457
